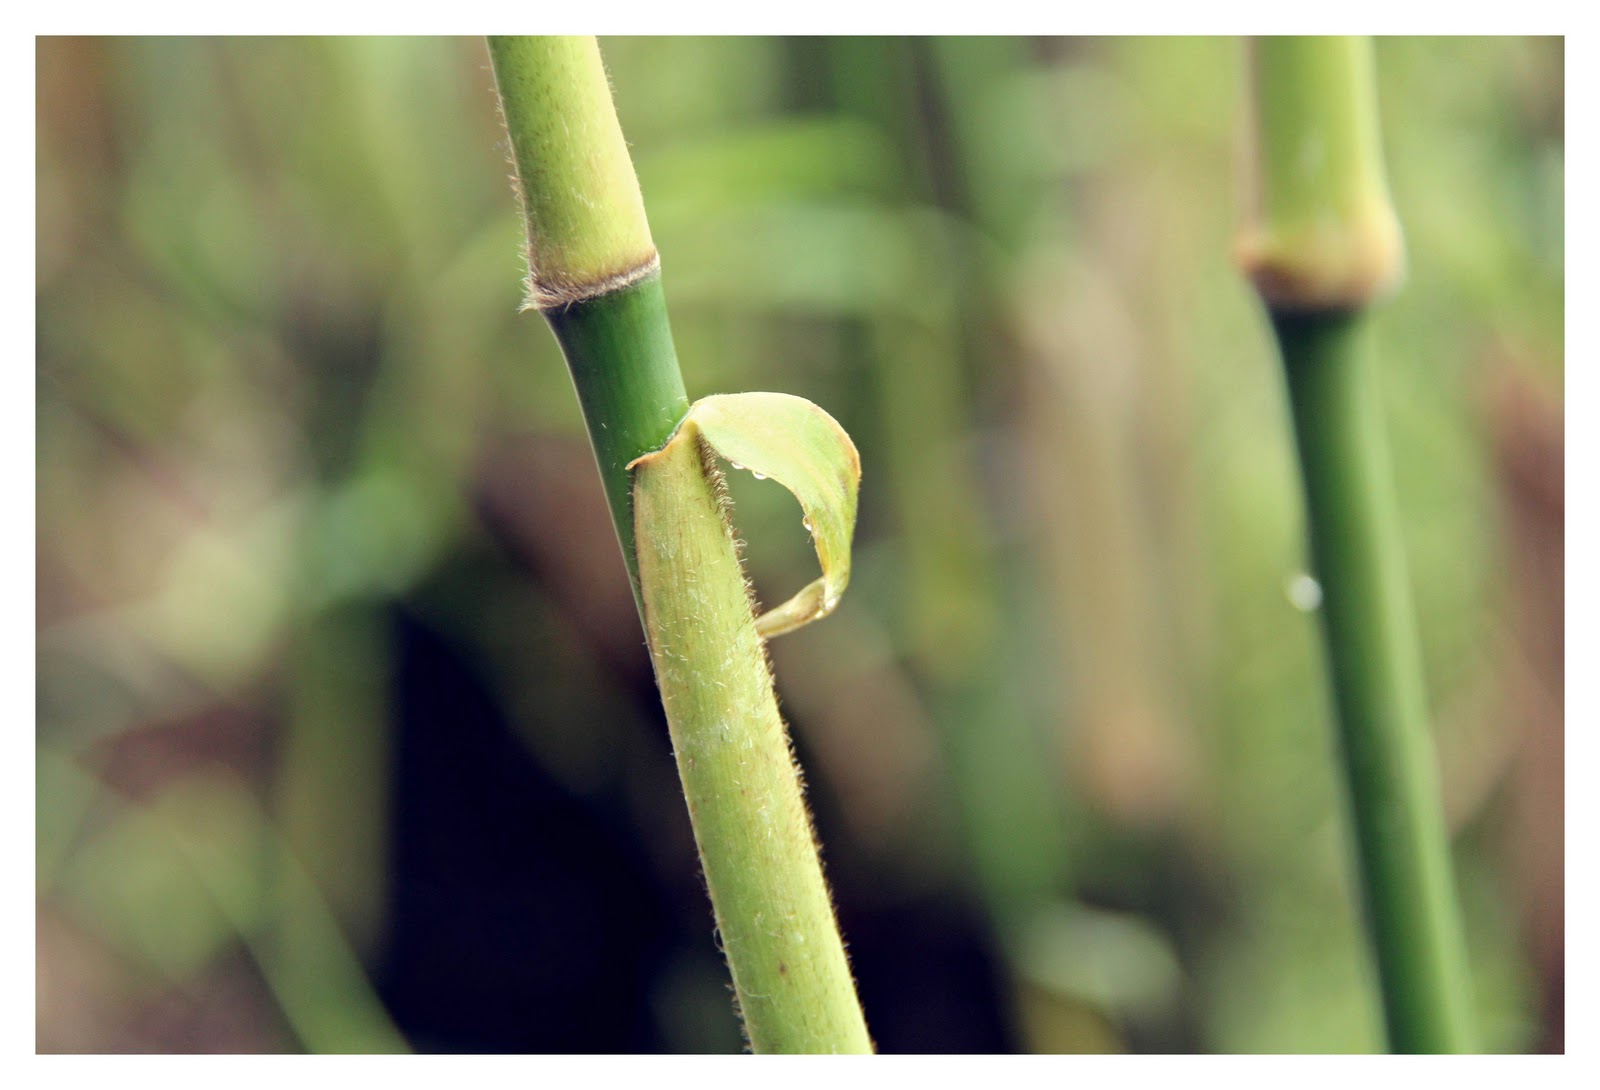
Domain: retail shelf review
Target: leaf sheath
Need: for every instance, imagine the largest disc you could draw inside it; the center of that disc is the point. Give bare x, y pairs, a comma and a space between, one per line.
743, 789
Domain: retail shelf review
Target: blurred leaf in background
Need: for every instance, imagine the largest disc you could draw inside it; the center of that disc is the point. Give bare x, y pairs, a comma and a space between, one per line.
347, 738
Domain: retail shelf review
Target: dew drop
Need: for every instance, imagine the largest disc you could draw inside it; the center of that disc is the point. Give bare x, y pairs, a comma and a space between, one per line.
807, 524
1304, 592
758, 476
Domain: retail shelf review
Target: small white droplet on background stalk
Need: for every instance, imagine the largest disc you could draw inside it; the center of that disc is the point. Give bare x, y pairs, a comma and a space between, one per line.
1304, 592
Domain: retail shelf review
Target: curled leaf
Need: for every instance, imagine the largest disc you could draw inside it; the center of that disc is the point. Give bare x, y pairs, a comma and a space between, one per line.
793, 442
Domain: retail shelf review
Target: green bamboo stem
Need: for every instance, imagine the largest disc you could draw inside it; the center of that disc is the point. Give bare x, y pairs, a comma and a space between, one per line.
593, 272
592, 266
773, 910
1325, 236
1327, 245
619, 350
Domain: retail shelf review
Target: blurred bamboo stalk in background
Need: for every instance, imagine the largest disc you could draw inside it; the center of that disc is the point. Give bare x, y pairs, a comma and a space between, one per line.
965, 115
1324, 246
1008, 802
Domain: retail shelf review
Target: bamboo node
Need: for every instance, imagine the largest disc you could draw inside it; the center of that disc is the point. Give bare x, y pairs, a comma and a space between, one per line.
546, 293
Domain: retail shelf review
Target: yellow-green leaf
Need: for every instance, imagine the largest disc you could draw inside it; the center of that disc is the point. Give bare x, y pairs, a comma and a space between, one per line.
793, 442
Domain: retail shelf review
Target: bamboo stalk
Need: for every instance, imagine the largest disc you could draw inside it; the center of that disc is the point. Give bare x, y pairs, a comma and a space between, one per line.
1326, 245
592, 265
593, 273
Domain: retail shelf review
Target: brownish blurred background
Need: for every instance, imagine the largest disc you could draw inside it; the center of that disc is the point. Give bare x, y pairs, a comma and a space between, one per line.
347, 738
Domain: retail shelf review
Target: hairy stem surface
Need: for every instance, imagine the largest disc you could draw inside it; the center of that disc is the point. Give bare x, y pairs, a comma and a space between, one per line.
593, 272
